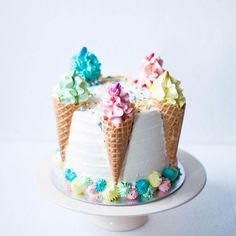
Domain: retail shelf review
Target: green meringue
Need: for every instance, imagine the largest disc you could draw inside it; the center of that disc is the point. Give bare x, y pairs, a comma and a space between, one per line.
85, 181
149, 193
124, 188
72, 89
167, 89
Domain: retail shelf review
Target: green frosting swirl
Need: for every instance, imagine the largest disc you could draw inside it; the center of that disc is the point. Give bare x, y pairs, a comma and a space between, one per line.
150, 192
167, 89
72, 89
85, 181
124, 188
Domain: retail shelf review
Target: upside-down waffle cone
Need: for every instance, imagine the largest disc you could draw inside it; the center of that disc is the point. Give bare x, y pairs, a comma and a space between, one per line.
116, 138
172, 117
63, 113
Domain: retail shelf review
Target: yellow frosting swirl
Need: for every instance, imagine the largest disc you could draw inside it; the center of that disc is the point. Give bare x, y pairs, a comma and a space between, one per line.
167, 89
111, 193
155, 179
76, 187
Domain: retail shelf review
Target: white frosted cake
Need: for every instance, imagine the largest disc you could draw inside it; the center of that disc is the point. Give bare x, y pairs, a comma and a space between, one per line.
118, 136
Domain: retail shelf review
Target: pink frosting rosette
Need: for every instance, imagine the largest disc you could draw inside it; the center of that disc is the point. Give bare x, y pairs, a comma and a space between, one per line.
133, 194
151, 69
165, 186
116, 104
92, 193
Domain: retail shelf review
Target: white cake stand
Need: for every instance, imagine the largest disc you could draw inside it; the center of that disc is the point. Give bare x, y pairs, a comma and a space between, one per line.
124, 218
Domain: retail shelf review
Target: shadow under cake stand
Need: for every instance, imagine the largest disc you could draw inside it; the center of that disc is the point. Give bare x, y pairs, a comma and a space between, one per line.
124, 218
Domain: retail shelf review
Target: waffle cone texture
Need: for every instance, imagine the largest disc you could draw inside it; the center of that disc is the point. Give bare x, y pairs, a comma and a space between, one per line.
63, 114
116, 138
172, 117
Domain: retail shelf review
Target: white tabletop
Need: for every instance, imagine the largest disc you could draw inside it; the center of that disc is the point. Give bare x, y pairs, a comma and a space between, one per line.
24, 211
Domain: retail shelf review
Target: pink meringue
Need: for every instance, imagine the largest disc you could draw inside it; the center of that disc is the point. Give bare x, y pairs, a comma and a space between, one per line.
92, 193
133, 194
165, 186
151, 69
116, 104
67, 186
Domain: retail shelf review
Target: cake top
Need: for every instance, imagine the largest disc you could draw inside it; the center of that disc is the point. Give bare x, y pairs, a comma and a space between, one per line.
85, 84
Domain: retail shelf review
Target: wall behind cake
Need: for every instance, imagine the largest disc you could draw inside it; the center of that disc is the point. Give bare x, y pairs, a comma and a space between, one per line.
195, 38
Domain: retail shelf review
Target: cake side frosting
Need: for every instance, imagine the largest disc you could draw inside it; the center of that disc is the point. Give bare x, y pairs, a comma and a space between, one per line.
86, 152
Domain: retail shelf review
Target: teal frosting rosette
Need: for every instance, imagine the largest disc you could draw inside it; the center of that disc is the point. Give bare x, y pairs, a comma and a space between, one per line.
72, 89
86, 65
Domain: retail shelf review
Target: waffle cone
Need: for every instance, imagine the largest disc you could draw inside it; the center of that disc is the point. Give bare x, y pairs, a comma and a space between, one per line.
116, 138
63, 113
172, 117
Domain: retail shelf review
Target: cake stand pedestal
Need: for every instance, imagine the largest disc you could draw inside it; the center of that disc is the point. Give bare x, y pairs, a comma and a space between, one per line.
124, 218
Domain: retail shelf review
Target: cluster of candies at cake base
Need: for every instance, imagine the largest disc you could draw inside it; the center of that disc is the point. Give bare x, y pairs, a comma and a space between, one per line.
117, 105
106, 191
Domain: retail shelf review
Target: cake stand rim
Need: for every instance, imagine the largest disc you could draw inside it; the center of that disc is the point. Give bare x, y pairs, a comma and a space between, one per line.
195, 180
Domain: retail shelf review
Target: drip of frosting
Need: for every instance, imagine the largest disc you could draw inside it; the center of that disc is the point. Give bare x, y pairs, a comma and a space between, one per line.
124, 188
116, 104
72, 89
167, 89
165, 186
87, 66
151, 69
111, 193
133, 194
155, 179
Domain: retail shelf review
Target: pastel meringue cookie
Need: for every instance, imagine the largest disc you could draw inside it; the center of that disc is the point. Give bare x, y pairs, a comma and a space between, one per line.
133, 194
87, 66
67, 186
111, 193
76, 187
85, 181
141, 186
100, 185
155, 179
151, 69
92, 193
165, 186
69, 174
116, 105
167, 89
124, 189
72, 89
149, 193
170, 173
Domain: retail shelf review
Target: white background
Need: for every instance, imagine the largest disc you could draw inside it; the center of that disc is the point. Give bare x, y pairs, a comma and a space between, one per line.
196, 39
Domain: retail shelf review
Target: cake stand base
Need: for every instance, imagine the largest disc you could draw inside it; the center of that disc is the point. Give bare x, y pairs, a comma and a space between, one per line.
117, 223
124, 218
